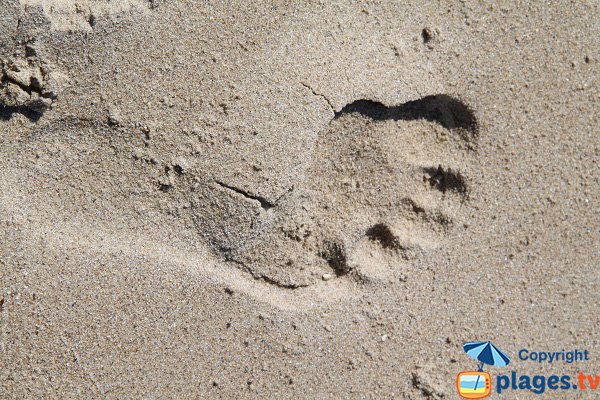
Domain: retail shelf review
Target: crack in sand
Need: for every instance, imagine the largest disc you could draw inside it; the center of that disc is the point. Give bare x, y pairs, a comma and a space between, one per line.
264, 203
320, 95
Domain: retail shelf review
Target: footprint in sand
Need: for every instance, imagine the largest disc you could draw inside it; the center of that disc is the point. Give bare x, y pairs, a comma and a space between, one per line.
384, 187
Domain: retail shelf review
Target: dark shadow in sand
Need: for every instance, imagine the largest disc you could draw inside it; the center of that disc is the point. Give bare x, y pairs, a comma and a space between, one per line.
7, 112
445, 110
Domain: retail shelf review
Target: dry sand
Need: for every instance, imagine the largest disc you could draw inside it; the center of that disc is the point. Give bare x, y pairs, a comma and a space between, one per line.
293, 199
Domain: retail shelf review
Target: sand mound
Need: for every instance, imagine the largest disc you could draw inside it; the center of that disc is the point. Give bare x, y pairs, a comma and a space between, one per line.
66, 15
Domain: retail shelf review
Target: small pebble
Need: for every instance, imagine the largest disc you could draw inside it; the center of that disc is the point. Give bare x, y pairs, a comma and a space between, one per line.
114, 117
327, 277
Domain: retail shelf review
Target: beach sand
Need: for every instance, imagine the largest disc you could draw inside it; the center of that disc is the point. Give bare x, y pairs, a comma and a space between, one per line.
294, 199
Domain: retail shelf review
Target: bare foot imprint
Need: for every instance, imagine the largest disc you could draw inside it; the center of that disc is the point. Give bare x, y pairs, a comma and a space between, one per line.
384, 188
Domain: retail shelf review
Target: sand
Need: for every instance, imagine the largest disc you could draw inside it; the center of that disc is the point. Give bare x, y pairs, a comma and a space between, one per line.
294, 199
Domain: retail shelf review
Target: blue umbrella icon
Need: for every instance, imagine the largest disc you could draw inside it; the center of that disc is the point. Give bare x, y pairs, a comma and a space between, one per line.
486, 353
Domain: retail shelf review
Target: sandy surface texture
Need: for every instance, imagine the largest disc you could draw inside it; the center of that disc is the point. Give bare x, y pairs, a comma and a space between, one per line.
319, 199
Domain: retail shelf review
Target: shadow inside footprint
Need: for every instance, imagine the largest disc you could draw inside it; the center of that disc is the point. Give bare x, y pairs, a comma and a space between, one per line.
381, 233
444, 180
445, 110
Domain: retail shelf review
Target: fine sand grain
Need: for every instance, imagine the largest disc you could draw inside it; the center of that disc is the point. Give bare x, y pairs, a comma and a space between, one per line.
294, 199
